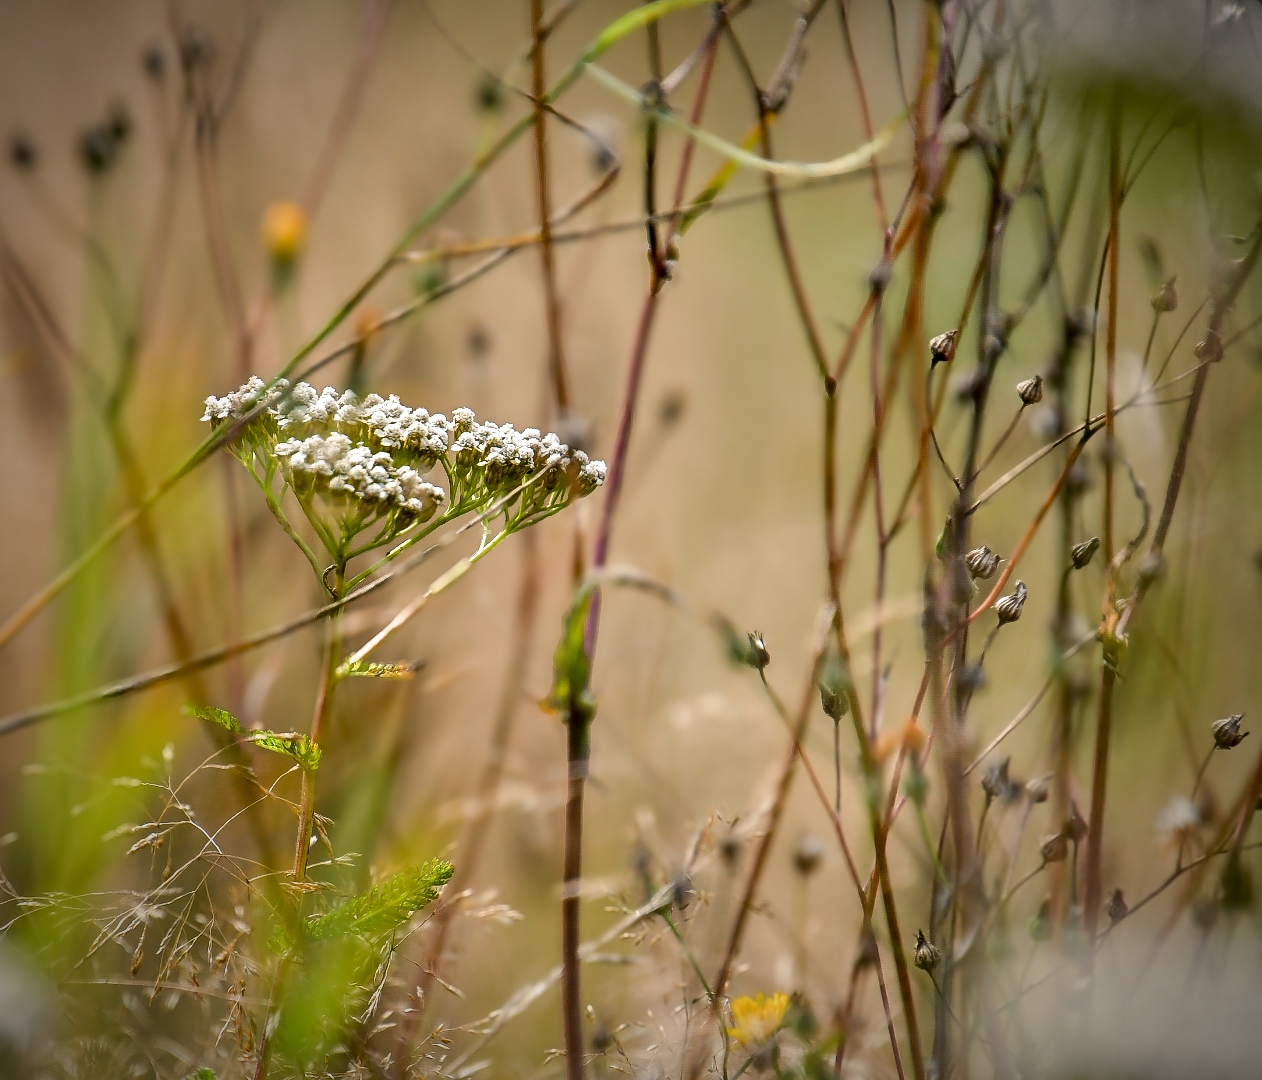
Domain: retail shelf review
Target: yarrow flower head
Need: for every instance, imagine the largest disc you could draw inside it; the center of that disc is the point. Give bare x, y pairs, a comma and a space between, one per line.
756, 1019
367, 471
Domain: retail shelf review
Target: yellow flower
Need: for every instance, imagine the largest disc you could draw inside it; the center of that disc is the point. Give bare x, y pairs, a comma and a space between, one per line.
757, 1018
284, 231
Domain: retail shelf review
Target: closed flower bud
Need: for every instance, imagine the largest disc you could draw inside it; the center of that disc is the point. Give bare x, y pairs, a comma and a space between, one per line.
1227, 733
1166, 298
284, 232
1209, 351
1030, 390
1117, 909
982, 562
833, 682
1054, 848
1083, 553
1009, 607
942, 347
808, 855
926, 955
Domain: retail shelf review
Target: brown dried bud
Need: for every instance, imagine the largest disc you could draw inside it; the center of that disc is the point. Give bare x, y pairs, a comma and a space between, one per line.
927, 955
1075, 826
759, 657
1036, 790
1030, 390
1117, 909
942, 347
1009, 607
808, 855
1166, 298
1227, 733
995, 781
982, 562
1083, 553
1209, 351
1055, 848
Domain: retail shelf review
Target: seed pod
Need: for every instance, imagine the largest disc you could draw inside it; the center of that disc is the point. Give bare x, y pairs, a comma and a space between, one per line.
1166, 298
833, 682
927, 955
982, 562
1083, 553
1036, 789
995, 782
154, 61
1227, 733
1009, 607
942, 347
759, 657
1209, 351
1117, 909
1054, 848
1030, 390
1075, 826
808, 855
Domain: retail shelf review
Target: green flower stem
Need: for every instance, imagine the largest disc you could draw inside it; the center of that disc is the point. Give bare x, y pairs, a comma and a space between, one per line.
323, 706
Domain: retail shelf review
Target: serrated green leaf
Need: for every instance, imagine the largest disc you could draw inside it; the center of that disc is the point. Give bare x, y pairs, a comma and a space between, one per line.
368, 669
387, 905
221, 717
570, 695
291, 743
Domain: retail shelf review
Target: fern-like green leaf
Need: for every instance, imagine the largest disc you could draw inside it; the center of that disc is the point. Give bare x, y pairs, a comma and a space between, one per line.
386, 906
221, 717
291, 743
571, 695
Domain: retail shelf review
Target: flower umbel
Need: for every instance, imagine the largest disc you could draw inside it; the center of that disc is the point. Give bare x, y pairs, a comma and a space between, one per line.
365, 473
756, 1019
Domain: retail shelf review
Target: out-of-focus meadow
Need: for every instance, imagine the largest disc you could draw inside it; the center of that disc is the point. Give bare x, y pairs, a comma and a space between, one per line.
144, 267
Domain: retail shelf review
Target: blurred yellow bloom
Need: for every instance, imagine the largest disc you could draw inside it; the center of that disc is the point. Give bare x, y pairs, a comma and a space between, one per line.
756, 1019
284, 231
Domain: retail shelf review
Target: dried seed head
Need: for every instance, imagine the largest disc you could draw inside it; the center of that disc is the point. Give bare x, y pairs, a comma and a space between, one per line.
1227, 733
1036, 790
1117, 909
1009, 607
1209, 351
808, 855
154, 61
942, 347
1166, 298
730, 850
927, 955
996, 783
1055, 848
1083, 553
1030, 390
833, 682
1075, 826
759, 657
98, 149
982, 562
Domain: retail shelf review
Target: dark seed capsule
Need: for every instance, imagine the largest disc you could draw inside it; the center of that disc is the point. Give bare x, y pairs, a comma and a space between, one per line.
1030, 390
154, 61
1227, 733
1083, 553
1009, 607
97, 149
1117, 909
1055, 848
1209, 351
942, 347
926, 956
982, 562
1166, 298
995, 782
808, 855
1075, 826
22, 153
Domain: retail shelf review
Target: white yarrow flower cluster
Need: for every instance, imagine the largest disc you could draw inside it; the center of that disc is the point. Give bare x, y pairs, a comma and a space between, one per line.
354, 465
